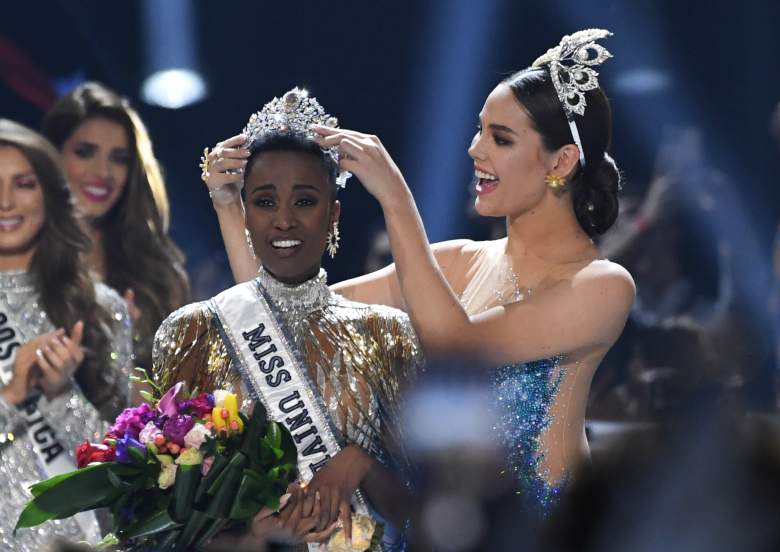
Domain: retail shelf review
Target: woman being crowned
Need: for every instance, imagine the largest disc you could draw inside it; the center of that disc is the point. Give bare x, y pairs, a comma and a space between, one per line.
331, 370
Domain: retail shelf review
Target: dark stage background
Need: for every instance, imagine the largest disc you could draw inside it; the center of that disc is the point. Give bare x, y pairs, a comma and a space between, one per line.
414, 73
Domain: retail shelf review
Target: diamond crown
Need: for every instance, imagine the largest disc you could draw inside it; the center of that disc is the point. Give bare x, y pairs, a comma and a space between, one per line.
571, 67
293, 113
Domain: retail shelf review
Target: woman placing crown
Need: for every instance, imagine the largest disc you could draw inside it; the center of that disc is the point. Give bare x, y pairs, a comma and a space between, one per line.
329, 369
542, 305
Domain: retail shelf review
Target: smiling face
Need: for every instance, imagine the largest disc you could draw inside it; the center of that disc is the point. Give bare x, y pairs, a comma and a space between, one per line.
96, 159
510, 161
22, 210
289, 211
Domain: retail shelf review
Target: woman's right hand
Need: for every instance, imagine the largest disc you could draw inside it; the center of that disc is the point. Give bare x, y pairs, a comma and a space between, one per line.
226, 163
293, 524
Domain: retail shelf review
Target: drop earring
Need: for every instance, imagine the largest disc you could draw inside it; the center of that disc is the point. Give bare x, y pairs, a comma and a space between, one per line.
332, 240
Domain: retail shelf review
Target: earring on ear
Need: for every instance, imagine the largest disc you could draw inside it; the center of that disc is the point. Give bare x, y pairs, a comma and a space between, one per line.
554, 181
333, 240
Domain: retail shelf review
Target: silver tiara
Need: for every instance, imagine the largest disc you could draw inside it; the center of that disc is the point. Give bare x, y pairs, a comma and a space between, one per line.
571, 70
293, 113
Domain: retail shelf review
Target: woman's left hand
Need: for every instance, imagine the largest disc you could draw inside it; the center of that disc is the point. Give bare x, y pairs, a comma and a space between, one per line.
364, 156
58, 358
336, 483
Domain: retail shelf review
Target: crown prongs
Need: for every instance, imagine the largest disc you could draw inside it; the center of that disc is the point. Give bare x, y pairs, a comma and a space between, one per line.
570, 64
295, 113
592, 54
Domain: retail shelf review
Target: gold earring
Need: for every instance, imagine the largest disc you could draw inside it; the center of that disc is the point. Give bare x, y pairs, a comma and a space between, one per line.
554, 181
333, 240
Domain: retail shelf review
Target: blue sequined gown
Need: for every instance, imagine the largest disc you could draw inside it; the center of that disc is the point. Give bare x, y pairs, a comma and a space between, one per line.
539, 406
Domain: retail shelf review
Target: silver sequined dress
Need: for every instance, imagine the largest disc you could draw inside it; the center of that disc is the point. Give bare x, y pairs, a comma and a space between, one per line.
359, 357
72, 417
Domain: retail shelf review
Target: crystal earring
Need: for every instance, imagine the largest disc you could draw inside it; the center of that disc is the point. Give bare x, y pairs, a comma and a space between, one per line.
333, 240
555, 182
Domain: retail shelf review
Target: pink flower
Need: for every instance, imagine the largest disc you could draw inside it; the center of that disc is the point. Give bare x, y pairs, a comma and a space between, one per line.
167, 404
149, 432
206, 465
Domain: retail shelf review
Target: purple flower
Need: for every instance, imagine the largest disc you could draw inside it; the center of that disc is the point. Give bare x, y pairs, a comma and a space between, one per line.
167, 404
132, 420
202, 404
123, 446
177, 427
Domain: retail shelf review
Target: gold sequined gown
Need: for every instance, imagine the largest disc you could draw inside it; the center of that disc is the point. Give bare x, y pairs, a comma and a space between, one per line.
70, 416
359, 357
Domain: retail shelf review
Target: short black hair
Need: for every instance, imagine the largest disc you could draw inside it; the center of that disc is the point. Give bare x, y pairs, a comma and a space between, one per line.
297, 143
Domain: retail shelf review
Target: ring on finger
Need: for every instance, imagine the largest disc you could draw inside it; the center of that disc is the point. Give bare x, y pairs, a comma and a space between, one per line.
204, 165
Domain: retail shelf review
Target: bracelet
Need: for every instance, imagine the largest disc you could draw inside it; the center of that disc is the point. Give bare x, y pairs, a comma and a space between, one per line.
223, 195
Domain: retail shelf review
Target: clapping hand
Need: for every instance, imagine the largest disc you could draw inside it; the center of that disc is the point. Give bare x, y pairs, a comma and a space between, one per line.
47, 362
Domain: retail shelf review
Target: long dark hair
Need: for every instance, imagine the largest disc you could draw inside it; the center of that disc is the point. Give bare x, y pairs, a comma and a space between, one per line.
594, 190
58, 268
142, 256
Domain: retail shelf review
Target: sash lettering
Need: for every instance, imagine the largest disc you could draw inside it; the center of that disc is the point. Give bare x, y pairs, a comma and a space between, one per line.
51, 454
271, 370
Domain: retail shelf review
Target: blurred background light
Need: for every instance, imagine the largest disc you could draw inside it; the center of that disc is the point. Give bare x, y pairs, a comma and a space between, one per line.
642, 80
173, 80
173, 88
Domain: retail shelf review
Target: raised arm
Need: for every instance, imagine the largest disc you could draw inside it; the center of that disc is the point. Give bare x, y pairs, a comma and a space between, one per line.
587, 312
223, 175
382, 286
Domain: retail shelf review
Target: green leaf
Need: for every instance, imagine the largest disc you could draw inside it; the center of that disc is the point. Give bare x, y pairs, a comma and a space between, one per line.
158, 522
252, 494
220, 462
237, 461
196, 523
216, 526
274, 435
187, 479
137, 457
146, 395
226, 487
290, 455
253, 432
69, 493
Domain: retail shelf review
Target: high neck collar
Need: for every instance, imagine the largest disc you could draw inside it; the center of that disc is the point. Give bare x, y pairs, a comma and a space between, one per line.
16, 280
309, 295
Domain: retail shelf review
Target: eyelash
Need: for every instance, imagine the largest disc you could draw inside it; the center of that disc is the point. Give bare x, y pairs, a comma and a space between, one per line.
89, 153
27, 184
84, 153
267, 203
498, 141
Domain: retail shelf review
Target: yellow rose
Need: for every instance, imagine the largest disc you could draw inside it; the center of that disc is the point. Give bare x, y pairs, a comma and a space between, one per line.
167, 475
189, 457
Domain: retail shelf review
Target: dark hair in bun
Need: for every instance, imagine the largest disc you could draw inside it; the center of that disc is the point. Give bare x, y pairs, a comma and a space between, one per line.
594, 190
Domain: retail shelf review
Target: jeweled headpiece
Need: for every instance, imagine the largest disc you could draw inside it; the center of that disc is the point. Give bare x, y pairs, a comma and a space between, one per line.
293, 113
571, 70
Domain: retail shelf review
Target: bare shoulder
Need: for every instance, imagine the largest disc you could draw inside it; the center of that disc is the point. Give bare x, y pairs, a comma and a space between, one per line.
452, 248
605, 281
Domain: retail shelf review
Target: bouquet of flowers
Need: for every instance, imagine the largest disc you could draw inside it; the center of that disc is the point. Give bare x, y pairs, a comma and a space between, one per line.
174, 471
